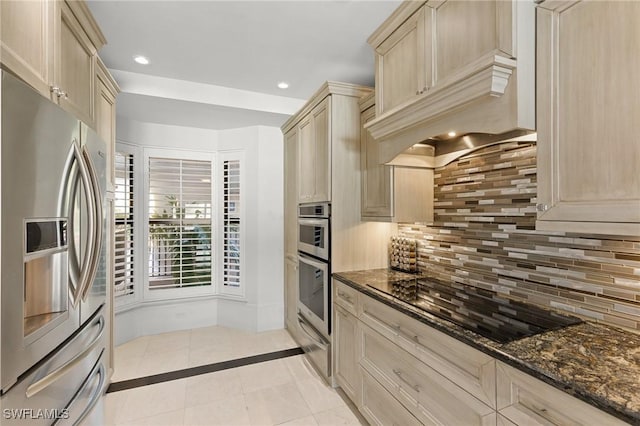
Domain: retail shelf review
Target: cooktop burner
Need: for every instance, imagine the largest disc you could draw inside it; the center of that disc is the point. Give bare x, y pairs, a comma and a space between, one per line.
482, 311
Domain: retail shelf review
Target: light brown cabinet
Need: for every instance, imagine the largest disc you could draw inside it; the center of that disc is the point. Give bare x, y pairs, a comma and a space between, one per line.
291, 296
525, 400
453, 65
345, 366
315, 154
588, 153
377, 178
424, 391
380, 408
26, 41
403, 61
53, 46
291, 230
106, 91
76, 66
391, 193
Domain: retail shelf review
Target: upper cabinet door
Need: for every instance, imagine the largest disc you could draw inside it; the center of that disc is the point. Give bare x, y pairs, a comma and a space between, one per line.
322, 141
26, 40
306, 160
588, 104
314, 154
76, 68
467, 31
403, 62
376, 178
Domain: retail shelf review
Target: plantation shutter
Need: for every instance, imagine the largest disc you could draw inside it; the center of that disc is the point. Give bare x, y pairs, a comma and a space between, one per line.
231, 223
179, 216
123, 226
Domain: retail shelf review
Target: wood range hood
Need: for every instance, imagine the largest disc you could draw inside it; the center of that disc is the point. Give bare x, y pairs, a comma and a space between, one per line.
491, 91
492, 101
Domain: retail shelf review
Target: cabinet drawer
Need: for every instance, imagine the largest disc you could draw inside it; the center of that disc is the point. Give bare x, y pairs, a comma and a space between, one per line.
525, 400
467, 367
345, 296
430, 397
380, 408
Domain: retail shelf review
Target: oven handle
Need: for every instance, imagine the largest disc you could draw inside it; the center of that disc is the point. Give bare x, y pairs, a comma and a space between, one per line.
311, 261
310, 335
314, 222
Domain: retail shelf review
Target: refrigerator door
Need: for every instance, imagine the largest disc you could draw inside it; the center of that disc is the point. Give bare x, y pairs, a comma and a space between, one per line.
37, 313
95, 294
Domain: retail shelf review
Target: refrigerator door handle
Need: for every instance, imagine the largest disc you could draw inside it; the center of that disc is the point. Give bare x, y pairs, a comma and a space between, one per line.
52, 377
79, 274
96, 231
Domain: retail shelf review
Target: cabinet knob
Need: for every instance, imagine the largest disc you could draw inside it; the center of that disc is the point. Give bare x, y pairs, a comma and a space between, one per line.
58, 92
542, 207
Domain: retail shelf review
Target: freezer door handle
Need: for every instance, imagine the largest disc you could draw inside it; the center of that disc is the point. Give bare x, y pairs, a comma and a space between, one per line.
97, 371
55, 375
96, 231
78, 274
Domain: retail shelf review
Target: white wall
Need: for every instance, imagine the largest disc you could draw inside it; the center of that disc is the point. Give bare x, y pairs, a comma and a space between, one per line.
263, 305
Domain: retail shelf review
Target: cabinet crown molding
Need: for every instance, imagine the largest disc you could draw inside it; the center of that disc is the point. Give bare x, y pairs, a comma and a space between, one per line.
87, 21
328, 88
106, 77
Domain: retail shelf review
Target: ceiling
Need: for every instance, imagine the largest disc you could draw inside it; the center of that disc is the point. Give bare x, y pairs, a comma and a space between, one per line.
216, 64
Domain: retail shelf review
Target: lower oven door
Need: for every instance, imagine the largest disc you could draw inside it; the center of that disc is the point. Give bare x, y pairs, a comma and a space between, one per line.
313, 293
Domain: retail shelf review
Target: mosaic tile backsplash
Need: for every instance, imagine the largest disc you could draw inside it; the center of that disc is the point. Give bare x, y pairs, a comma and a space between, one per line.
484, 235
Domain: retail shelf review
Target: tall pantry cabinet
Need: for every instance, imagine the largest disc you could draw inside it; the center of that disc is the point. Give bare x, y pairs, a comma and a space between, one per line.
322, 164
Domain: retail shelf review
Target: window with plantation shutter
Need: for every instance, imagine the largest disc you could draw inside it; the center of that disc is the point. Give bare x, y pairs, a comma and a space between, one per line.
231, 224
124, 224
180, 222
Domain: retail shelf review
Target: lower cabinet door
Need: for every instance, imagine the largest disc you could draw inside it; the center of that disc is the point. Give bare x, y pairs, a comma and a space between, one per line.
380, 408
431, 397
346, 347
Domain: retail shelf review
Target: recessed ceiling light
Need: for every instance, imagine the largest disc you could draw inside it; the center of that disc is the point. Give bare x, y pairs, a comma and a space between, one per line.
141, 60
451, 134
283, 85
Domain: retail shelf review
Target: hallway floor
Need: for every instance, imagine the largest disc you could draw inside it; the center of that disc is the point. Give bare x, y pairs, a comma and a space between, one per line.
285, 391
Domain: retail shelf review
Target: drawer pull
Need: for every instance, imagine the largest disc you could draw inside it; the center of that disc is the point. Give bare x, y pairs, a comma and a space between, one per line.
406, 335
401, 377
345, 296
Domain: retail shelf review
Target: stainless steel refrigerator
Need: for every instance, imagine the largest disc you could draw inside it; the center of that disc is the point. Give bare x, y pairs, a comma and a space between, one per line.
53, 269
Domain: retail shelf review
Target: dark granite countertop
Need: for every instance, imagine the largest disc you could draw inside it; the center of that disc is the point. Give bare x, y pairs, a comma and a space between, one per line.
597, 363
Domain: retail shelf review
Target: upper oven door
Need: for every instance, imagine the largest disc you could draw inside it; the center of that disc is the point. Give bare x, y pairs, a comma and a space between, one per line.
313, 292
313, 237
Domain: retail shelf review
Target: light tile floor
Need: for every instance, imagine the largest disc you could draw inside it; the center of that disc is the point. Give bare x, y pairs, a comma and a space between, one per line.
285, 391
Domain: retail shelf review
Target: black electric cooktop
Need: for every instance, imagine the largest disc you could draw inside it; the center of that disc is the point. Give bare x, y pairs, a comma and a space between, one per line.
482, 311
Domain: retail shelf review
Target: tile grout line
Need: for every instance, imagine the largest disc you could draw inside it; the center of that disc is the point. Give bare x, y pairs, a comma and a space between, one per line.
201, 369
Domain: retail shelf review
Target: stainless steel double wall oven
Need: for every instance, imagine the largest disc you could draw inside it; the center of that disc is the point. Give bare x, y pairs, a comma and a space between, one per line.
314, 282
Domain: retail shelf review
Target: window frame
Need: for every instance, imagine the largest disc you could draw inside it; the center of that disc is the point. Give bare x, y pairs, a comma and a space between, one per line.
183, 292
